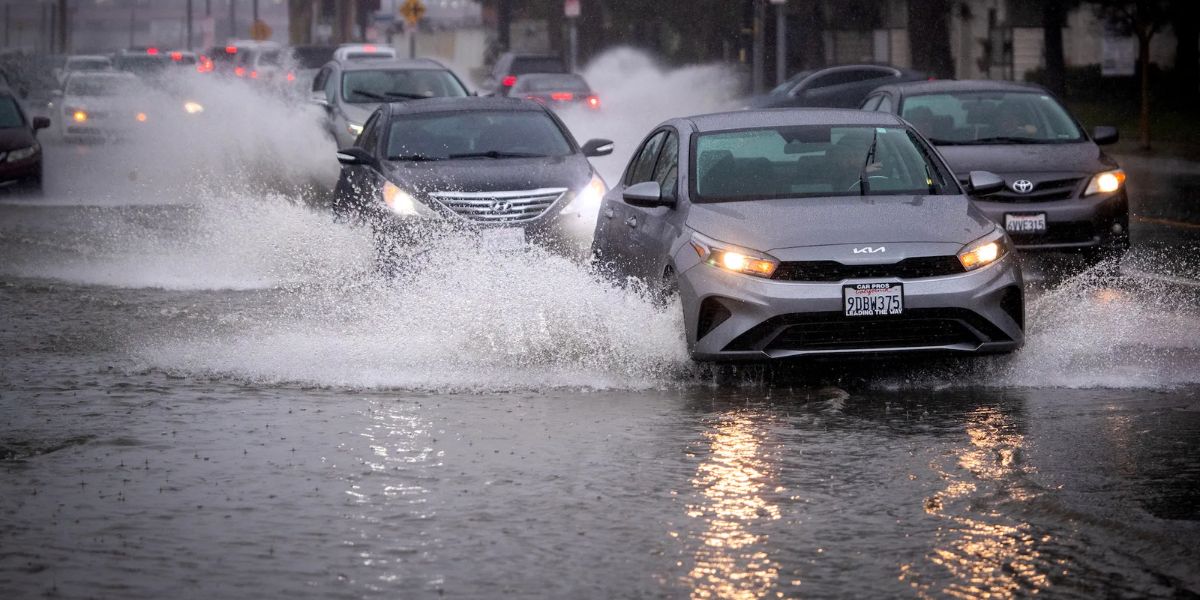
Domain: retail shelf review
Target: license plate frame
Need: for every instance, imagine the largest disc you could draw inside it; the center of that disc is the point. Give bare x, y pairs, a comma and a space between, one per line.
1025, 223
874, 299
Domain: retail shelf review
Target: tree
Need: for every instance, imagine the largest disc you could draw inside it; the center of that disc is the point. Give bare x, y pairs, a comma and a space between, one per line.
929, 36
1054, 18
1143, 19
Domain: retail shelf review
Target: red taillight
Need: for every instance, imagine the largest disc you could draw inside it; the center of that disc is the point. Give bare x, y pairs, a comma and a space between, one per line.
240, 71
369, 48
176, 56
291, 76
230, 49
204, 64
562, 96
509, 81
152, 50
253, 74
593, 101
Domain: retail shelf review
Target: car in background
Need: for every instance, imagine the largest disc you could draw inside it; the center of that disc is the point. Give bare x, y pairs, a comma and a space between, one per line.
266, 63
808, 233
1062, 192
351, 90
556, 90
185, 59
843, 86
512, 65
84, 62
346, 52
147, 64
20, 151
307, 61
507, 169
99, 106
221, 59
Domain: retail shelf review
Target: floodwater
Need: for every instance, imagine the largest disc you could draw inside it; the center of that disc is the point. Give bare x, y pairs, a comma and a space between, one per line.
205, 391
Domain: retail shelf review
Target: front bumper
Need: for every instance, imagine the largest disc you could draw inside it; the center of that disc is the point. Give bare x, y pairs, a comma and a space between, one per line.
23, 170
732, 317
1098, 220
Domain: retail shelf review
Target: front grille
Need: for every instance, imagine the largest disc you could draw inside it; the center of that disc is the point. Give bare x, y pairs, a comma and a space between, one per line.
835, 331
1069, 232
500, 207
828, 270
1043, 191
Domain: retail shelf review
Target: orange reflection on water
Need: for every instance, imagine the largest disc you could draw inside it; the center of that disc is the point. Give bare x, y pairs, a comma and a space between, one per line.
732, 561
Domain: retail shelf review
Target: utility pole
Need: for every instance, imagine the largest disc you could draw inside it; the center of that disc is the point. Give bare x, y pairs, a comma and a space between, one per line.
504, 21
189, 24
64, 38
132, 14
254, 9
759, 42
571, 9
780, 41
232, 19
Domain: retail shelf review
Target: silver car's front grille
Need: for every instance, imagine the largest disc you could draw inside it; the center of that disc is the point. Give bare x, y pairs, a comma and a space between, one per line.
500, 207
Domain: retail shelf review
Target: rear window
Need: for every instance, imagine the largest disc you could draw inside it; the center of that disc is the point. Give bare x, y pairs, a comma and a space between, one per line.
142, 65
475, 134
10, 115
272, 58
565, 83
537, 64
88, 64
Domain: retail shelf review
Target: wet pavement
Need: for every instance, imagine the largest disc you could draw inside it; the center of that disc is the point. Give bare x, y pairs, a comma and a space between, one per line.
206, 392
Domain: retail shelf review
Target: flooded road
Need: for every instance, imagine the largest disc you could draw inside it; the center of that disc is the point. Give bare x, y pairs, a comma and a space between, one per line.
207, 392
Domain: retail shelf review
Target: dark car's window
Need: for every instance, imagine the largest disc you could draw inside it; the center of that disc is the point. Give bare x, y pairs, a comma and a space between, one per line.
968, 118
885, 104
271, 58
810, 160
475, 134
222, 55
375, 86
88, 64
370, 133
10, 115
319, 80
643, 168
847, 76
552, 83
666, 171
536, 64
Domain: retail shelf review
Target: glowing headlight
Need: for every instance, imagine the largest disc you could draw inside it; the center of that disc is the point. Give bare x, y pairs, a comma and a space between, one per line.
141, 117
587, 200
402, 203
738, 260
354, 129
1106, 182
23, 153
983, 251
193, 108
79, 116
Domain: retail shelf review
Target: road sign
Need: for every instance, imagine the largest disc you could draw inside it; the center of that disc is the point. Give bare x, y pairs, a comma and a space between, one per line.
260, 31
571, 8
413, 10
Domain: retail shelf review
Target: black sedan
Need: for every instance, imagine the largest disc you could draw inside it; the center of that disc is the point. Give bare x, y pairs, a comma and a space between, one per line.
843, 86
20, 152
1062, 192
505, 169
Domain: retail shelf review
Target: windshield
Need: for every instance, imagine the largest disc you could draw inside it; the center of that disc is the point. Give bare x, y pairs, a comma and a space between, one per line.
99, 86
477, 134
374, 86
813, 160
536, 64
970, 118
10, 115
88, 64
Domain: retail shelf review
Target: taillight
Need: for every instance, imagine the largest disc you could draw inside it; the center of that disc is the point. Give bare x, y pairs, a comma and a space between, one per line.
562, 96
593, 101
291, 76
152, 50
253, 74
240, 71
369, 48
508, 81
230, 49
176, 56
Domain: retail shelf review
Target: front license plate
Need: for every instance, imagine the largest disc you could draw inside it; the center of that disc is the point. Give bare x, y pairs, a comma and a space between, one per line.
873, 299
502, 238
1025, 223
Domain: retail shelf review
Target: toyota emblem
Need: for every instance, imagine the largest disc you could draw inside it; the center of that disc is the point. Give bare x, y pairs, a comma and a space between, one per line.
1022, 186
500, 207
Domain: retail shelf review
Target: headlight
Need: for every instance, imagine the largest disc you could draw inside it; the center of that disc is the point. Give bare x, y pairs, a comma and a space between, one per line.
1106, 182
984, 251
402, 203
193, 108
23, 153
354, 128
79, 116
732, 258
587, 200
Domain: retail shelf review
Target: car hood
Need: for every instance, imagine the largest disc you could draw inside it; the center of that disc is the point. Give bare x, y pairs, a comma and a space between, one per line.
1002, 159
14, 138
491, 175
768, 225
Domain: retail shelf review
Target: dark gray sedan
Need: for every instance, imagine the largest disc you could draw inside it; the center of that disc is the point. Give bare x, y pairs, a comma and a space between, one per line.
811, 232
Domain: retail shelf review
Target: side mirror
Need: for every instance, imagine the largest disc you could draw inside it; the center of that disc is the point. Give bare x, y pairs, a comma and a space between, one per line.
597, 148
982, 183
646, 193
1104, 135
40, 122
355, 156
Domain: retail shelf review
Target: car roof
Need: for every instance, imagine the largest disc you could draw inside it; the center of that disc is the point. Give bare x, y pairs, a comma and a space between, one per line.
376, 64
746, 119
465, 104
942, 86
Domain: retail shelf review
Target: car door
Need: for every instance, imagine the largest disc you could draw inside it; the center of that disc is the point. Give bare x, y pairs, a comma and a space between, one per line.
614, 229
359, 185
653, 228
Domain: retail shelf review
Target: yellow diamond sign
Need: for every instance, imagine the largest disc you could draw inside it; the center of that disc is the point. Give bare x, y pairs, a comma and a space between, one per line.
412, 10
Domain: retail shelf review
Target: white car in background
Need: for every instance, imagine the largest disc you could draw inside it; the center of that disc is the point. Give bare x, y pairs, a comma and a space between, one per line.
101, 105
83, 63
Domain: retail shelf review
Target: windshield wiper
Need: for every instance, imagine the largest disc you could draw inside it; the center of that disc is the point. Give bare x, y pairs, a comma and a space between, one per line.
371, 95
1007, 139
415, 157
406, 95
863, 185
497, 154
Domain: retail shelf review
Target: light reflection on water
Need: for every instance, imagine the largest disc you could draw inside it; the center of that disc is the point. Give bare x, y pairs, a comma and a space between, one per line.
732, 560
987, 551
